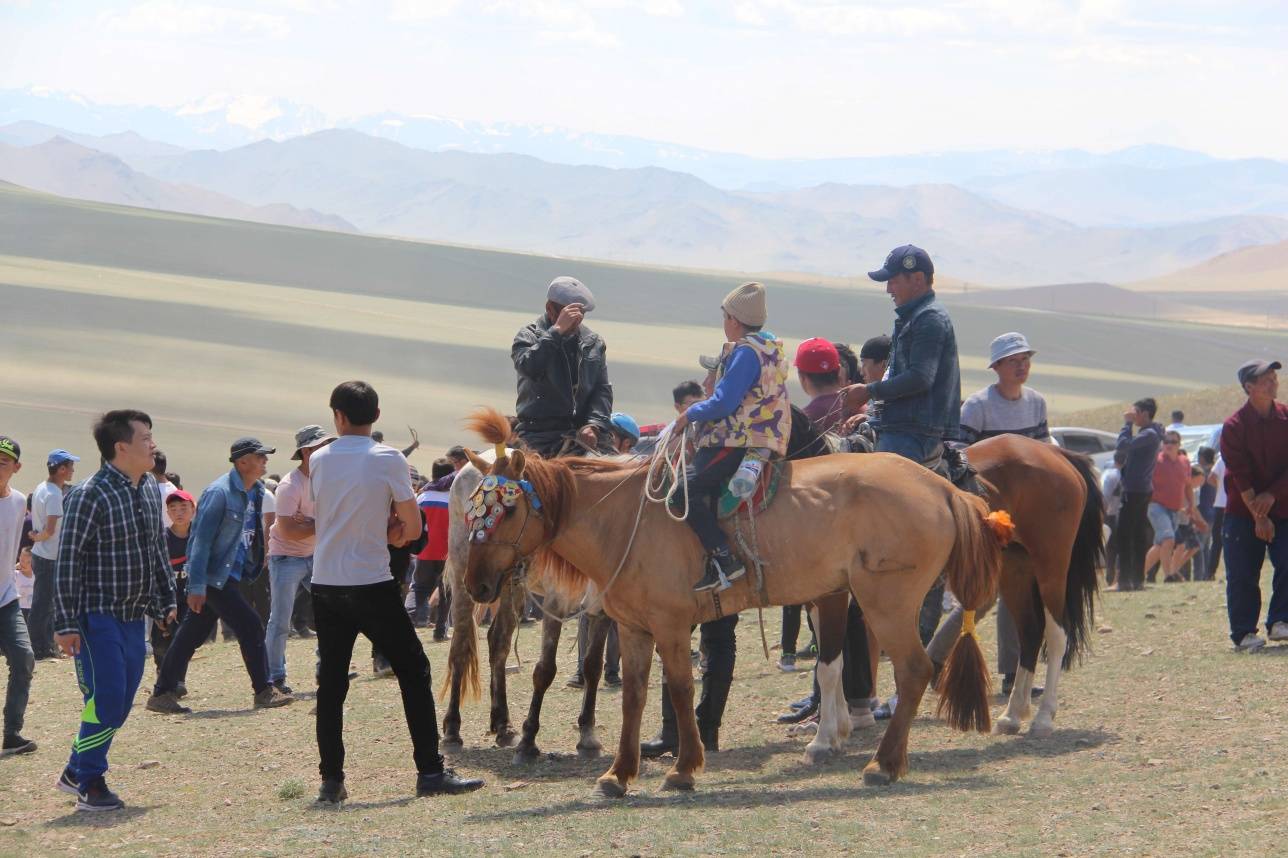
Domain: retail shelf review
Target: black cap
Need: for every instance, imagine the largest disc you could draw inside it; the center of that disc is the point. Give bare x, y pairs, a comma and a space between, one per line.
10, 448
246, 446
1254, 369
904, 260
877, 348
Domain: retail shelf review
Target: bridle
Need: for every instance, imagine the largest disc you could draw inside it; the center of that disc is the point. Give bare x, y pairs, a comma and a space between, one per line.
491, 501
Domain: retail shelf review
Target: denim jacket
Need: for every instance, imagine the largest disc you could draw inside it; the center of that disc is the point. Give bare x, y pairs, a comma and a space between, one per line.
217, 530
922, 393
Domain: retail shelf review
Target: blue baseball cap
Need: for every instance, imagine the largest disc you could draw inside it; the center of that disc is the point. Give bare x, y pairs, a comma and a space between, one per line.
904, 260
58, 457
625, 424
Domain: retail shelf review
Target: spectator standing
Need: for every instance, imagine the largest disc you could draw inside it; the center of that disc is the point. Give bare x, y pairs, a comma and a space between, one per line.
46, 512
14, 641
1141, 448
112, 571
1254, 445
25, 582
1218, 517
180, 508
226, 548
291, 541
355, 484
1172, 498
1207, 511
164, 483
1178, 422
432, 560
1111, 489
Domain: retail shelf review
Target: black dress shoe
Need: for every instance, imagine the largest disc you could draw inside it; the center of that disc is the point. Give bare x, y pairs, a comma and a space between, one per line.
659, 746
445, 782
798, 715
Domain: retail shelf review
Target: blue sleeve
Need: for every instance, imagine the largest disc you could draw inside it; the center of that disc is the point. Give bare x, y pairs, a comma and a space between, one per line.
925, 349
744, 369
205, 527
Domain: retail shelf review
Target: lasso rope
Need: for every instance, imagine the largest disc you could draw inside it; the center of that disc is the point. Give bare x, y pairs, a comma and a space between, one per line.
672, 467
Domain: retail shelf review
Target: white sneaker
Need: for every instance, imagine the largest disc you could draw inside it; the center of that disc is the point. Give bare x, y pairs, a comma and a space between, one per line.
1279, 631
809, 727
1252, 642
862, 717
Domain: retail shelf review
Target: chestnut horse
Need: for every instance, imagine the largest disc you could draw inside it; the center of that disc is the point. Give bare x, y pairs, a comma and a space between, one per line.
587, 513
1048, 577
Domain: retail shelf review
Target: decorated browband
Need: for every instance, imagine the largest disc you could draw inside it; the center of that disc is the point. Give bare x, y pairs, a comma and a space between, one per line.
491, 500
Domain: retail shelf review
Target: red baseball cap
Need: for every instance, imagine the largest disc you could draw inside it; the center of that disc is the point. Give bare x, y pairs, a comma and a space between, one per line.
817, 355
180, 494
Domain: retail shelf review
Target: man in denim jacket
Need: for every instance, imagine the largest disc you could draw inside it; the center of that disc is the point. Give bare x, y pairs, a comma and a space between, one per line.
921, 394
226, 545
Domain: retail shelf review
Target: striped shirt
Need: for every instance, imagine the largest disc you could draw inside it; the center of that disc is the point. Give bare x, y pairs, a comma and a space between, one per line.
987, 413
113, 558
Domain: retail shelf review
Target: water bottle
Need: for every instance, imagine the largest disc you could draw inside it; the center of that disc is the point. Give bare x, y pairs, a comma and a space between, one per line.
748, 474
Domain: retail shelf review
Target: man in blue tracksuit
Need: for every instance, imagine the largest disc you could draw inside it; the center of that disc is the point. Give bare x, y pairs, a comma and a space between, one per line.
112, 570
225, 546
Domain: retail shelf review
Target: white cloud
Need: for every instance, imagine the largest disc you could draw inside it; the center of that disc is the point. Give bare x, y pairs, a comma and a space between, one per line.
166, 18
828, 17
411, 11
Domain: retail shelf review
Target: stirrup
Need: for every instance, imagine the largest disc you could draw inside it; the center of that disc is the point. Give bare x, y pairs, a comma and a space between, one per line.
721, 582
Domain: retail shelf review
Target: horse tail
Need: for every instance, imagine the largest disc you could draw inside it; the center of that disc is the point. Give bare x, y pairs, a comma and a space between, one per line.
1081, 581
973, 569
463, 652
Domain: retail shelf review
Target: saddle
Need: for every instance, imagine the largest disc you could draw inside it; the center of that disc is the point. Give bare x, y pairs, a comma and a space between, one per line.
766, 490
955, 467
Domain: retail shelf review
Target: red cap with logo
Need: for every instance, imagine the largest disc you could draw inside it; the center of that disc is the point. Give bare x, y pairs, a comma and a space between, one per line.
817, 355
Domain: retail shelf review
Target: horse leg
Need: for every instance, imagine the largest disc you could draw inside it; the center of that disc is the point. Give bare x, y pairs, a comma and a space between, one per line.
1056, 640
833, 712
462, 659
500, 636
542, 675
588, 746
897, 630
690, 757
637, 660
1019, 590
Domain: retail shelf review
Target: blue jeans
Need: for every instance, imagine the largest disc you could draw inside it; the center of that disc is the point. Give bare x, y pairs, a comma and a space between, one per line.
109, 668
16, 646
285, 576
1163, 520
919, 448
1244, 556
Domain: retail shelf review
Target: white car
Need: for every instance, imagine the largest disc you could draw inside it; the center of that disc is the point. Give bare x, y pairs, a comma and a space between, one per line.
1095, 443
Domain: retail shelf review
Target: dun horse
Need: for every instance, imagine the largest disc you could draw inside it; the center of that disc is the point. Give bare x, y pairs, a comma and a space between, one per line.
586, 514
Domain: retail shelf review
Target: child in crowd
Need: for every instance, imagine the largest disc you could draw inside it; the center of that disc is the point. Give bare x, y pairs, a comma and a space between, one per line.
24, 581
181, 508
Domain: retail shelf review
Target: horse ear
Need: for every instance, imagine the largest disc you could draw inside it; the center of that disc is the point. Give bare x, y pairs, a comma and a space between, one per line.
477, 461
517, 463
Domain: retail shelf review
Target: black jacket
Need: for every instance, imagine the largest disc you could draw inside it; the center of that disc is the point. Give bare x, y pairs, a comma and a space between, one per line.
563, 380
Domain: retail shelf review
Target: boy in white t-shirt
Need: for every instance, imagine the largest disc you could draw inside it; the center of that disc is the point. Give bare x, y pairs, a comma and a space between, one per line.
355, 484
14, 643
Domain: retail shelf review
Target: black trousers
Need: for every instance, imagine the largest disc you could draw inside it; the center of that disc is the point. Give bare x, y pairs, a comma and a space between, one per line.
791, 628
229, 605
856, 670
1133, 540
1218, 540
161, 640
612, 647
376, 611
707, 476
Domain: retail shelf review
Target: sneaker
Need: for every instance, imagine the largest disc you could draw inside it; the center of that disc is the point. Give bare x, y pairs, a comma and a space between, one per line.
576, 680
331, 793
861, 717
15, 744
886, 710
445, 782
613, 680
97, 797
304, 632
272, 697
280, 685
67, 782
1251, 642
805, 728
1279, 631
787, 664
166, 703
807, 700
719, 562
797, 715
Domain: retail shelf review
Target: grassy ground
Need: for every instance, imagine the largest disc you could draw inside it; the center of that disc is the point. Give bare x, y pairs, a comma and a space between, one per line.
1168, 742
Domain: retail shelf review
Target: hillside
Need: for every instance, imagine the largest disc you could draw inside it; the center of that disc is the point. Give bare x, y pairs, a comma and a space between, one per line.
60, 166
237, 327
1263, 267
1209, 405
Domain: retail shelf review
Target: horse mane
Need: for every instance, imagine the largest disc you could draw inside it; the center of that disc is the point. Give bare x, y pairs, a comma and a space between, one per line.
490, 424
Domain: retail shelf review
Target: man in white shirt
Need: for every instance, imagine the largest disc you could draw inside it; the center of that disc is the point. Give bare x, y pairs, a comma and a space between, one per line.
46, 511
363, 501
13, 631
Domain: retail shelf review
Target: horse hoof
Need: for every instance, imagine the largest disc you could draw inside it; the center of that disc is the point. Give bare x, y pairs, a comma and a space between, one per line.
610, 787
589, 752
678, 781
451, 744
874, 776
526, 754
816, 754
506, 738
1041, 728
1006, 726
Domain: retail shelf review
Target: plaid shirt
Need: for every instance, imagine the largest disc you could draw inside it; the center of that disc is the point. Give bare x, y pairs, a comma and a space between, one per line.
113, 557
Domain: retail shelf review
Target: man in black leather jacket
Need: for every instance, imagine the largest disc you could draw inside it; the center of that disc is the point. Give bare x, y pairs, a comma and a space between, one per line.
563, 388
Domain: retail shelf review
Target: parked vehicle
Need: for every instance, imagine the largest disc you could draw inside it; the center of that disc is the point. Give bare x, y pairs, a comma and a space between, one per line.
1098, 445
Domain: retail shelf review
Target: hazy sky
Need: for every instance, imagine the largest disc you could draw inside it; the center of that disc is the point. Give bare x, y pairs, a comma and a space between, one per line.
763, 77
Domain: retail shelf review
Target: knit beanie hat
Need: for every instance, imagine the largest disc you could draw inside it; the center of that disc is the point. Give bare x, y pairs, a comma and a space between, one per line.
747, 304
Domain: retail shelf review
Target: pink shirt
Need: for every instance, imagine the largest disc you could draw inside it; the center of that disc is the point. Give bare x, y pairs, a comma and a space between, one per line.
292, 496
1170, 477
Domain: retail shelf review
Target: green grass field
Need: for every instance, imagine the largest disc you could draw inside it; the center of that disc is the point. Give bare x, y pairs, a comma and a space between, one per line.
1168, 742
220, 328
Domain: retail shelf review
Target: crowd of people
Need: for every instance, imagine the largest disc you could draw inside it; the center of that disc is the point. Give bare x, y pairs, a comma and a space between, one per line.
353, 540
